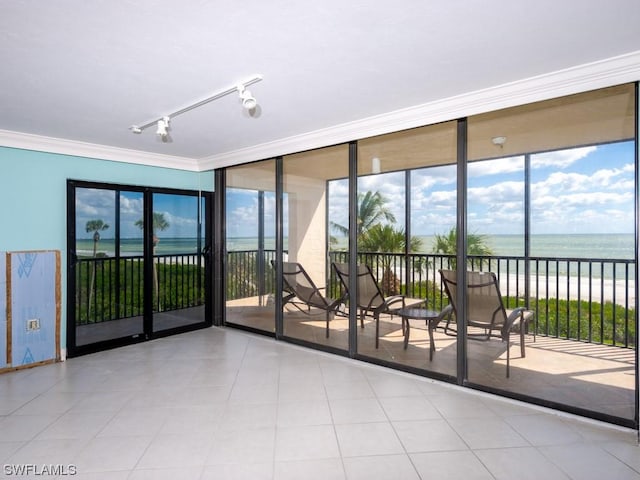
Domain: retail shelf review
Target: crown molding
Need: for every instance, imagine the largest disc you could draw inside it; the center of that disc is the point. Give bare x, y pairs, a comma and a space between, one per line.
27, 141
582, 78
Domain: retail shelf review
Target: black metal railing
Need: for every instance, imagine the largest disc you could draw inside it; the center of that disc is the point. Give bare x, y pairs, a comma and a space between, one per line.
111, 288
180, 281
250, 273
591, 300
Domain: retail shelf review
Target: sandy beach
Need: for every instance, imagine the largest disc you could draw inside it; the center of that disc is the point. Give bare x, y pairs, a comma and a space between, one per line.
598, 290
568, 288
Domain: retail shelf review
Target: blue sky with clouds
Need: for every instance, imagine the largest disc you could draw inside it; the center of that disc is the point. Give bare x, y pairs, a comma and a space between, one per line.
580, 190
180, 212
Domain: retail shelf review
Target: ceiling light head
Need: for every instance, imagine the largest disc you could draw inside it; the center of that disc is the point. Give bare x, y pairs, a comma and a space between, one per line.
163, 128
135, 129
248, 100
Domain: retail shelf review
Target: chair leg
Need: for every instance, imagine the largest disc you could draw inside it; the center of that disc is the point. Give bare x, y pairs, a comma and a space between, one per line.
522, 352
377, 317
432, 345
508, 351
327, 334
508, 355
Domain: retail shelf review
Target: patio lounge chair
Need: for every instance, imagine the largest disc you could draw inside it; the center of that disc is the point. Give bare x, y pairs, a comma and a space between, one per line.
302, 293
370, 299
485, 309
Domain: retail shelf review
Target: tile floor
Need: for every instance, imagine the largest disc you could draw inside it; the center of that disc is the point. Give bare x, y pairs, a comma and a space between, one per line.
594, 377
224, 404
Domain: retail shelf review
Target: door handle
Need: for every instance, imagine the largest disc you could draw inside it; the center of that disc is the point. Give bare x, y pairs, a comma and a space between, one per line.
73, 259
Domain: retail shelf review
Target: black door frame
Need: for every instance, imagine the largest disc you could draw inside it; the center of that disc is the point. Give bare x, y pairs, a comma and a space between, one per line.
207, 221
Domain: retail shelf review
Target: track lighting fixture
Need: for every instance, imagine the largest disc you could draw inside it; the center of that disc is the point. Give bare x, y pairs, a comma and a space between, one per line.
248, 101
162, 123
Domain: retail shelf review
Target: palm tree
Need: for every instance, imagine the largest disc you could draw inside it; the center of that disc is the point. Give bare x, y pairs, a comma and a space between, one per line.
447, 244
386, 239
95, 226
159, 224
372, 210
375, 236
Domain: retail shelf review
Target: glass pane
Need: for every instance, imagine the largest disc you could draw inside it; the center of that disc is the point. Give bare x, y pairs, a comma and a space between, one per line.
250, 238
109, 272
406, 196
314, 308
178, 264
574, 264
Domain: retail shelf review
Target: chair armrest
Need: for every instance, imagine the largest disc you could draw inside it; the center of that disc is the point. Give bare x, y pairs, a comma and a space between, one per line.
287, 297
445, 312
516, 314
393, 300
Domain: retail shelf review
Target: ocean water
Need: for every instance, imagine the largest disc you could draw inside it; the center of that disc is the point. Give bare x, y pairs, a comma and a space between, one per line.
134, 246
600, 246
592, 246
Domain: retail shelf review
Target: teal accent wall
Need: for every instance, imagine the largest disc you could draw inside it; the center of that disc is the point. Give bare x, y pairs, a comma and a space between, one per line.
33, 196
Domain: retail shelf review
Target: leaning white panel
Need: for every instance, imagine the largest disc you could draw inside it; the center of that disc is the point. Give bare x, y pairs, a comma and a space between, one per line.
34, 307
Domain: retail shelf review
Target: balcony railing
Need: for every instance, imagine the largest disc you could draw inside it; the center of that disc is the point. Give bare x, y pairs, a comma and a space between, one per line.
250, 274
110, 288
591, 300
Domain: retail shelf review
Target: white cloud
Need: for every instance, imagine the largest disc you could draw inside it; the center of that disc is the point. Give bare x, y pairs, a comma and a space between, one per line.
243, 220
429, 177
442, 197
497, 194
560, 158
131, 206
339, 188
604, 179
581, 199
97, 203
183, 225
497, 166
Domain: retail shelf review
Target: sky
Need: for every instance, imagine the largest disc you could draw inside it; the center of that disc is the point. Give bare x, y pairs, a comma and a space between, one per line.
580, 190
180, 212
575, 191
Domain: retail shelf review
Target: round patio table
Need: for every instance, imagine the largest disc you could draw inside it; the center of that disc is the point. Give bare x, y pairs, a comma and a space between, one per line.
430, 317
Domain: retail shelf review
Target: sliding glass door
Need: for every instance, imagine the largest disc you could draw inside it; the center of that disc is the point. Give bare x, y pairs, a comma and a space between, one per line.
137, 264
179, 260
250, 246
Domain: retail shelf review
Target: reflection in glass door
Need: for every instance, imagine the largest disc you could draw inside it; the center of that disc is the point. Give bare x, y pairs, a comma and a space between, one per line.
138, 264
107, 266
250, 225
314, 309
179, 260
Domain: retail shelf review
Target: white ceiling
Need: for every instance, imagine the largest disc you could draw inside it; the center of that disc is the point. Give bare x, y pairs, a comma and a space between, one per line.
84, 71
